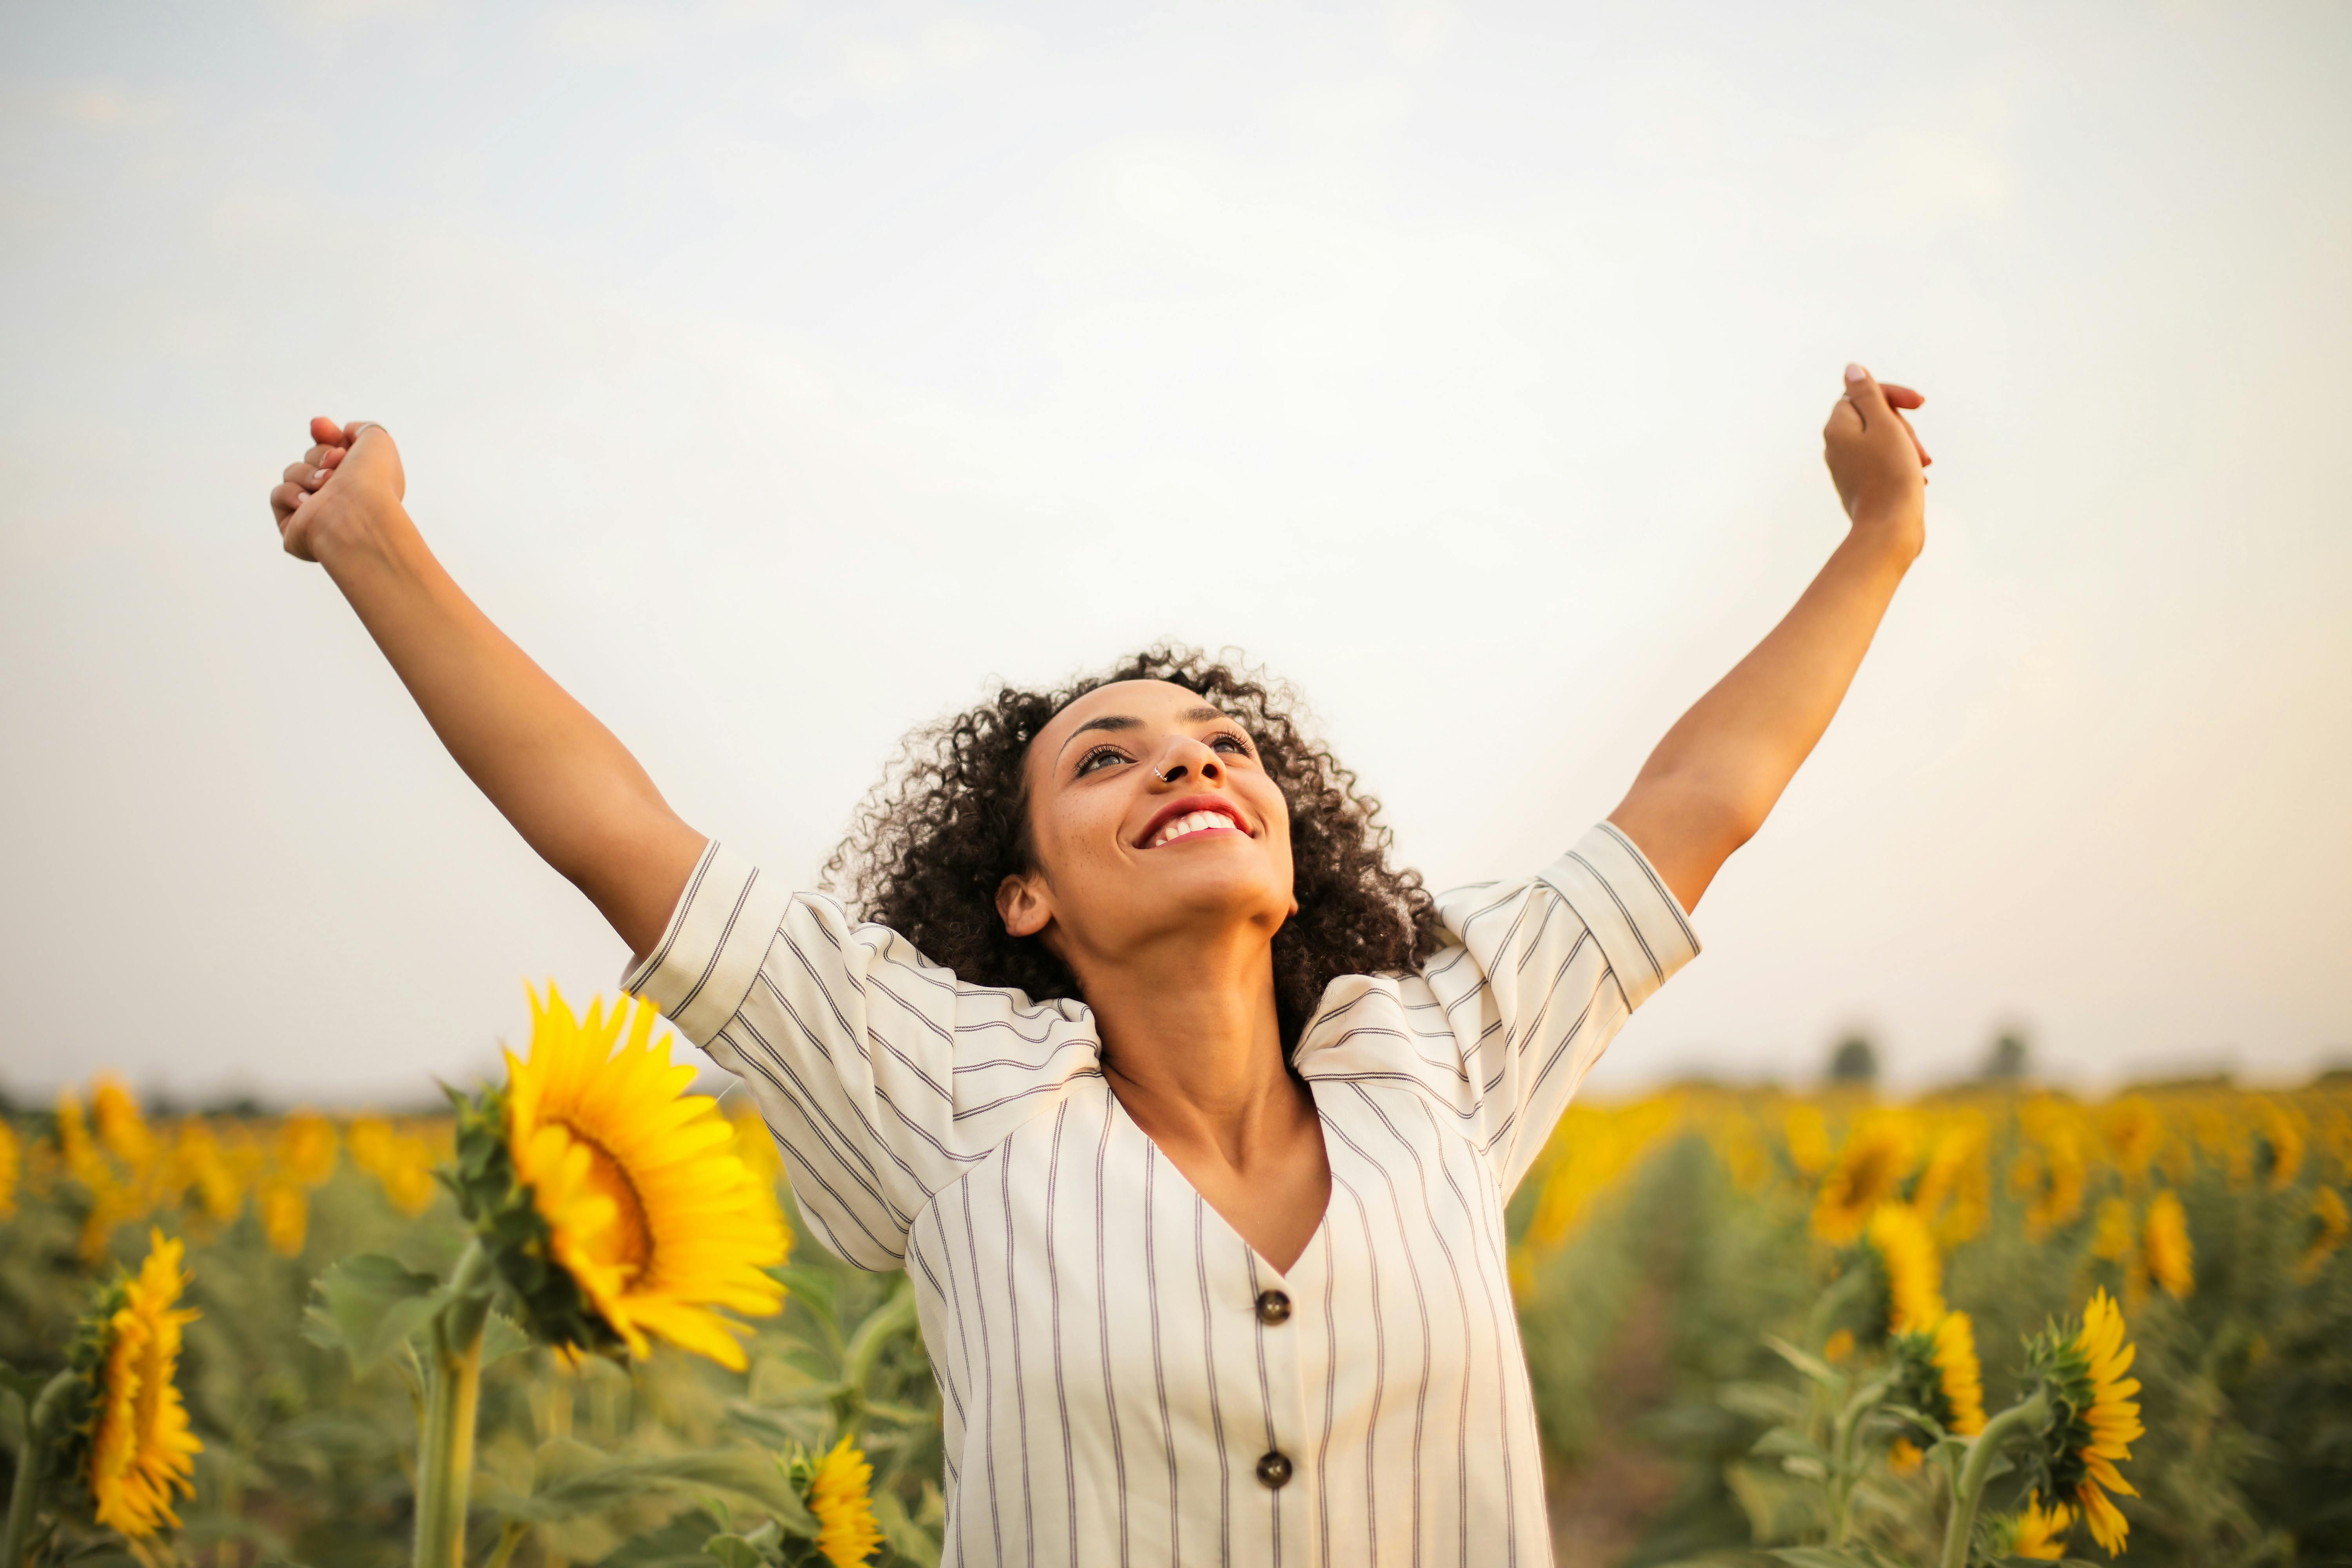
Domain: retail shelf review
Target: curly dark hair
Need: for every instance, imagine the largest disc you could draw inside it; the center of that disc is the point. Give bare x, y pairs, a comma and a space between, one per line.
950, 821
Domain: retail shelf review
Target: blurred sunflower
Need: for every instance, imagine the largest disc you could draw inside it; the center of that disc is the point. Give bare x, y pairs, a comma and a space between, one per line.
1937, 1373
76, 1151
1868, 1171
1914, 1275
839, 1495
1807, 1135
2092, 1417
610, 1199
121, 1128
305, 1148
2134, 1131
10, 1162
1955, 1192
197, 1166
113, 1199
2164, 1240
2034, 1532
141, 1450
2281, 1145
2330, 1224
369, 1140
2051, 1170
408, 1177
401, 1163
285, 1209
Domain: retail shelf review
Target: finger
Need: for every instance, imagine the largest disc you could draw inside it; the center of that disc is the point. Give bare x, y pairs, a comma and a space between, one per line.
286, 500
351, 431
1867, 399
309, 475
1924, 458
1901, 396
327, 433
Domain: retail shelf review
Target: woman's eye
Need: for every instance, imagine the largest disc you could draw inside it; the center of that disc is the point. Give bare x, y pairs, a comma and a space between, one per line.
1232, 744
1088, 763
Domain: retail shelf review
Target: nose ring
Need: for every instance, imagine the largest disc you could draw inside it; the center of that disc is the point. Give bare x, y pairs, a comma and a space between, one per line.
1170, 776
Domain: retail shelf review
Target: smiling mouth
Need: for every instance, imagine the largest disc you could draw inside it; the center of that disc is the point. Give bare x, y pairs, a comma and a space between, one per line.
1191, 824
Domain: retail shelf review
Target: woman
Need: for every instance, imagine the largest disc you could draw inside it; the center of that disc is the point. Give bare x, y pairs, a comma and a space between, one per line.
1192, 1121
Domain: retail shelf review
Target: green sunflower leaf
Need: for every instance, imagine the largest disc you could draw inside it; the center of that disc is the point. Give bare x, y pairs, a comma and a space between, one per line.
366, 1306
574, 1479
1812, 1366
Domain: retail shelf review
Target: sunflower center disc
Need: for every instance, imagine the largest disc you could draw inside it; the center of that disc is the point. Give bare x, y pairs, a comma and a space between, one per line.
627, 1244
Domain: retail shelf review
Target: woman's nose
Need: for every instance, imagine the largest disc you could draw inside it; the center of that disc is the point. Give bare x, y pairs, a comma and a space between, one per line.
1187, 756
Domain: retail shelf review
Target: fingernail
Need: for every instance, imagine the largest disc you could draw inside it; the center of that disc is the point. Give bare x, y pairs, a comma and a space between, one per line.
1855, 372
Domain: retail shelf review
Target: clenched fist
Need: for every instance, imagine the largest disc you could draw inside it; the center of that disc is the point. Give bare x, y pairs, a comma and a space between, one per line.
346, 484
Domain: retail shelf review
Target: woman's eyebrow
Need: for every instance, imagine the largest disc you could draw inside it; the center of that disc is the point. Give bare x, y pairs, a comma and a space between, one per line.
1109, 721
1201, 715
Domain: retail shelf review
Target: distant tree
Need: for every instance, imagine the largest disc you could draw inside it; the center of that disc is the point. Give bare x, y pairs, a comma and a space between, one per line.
2007, 1060
1854, 1062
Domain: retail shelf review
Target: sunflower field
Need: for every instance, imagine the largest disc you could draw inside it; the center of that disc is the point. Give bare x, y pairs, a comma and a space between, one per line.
563, 1320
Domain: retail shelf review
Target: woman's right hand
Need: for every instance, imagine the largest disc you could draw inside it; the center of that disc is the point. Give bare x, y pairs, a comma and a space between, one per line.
348, 482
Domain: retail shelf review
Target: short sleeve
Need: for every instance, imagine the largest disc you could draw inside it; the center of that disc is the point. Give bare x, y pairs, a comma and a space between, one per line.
882, 1078
1562, 963
1502, 1025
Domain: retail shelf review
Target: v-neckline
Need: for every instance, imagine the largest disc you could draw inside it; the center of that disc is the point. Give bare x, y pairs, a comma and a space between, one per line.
1208, 1206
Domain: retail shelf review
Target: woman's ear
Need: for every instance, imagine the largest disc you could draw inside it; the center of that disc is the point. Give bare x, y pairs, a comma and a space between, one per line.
1022, 906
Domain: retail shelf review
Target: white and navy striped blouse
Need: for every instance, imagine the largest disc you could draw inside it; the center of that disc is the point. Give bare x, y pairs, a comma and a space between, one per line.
1125, 1379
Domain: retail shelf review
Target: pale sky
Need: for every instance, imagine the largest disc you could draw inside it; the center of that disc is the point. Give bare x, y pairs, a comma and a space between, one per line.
777, 374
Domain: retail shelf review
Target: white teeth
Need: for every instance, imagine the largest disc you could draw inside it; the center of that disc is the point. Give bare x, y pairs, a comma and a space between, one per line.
1192, 822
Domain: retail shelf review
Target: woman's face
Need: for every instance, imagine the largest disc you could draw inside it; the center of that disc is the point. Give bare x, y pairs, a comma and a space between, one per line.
1151, 819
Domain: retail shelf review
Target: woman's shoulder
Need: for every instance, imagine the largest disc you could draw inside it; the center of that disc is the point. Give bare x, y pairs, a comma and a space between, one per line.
888, 958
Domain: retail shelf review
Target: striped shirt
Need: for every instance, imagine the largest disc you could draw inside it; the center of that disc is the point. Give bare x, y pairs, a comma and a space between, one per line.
1124, 1379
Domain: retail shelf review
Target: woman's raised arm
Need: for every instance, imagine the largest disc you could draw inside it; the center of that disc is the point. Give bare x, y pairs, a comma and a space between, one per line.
569, 786
1709, 784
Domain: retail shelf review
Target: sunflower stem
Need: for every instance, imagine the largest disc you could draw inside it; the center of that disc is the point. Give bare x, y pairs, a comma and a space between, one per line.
509, 1538
24, 1496
445, 1468
2029, 1414
1842, 1466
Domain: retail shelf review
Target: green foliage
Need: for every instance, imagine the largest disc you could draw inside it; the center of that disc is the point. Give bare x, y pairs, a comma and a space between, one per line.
1659, 1396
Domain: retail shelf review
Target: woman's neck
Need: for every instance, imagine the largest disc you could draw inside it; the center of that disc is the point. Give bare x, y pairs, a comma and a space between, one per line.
1193, 1052
1192, 1046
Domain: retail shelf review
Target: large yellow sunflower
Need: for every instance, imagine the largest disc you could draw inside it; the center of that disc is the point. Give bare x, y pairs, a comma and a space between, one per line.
1914, 1275
839, 1495
2094, 1417
1869, 1170
141, 1447
646, 1204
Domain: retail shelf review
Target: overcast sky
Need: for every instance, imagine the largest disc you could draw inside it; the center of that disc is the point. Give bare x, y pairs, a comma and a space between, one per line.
778, 374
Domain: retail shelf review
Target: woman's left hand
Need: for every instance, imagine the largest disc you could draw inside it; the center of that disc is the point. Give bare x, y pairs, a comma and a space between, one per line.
1875, 457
